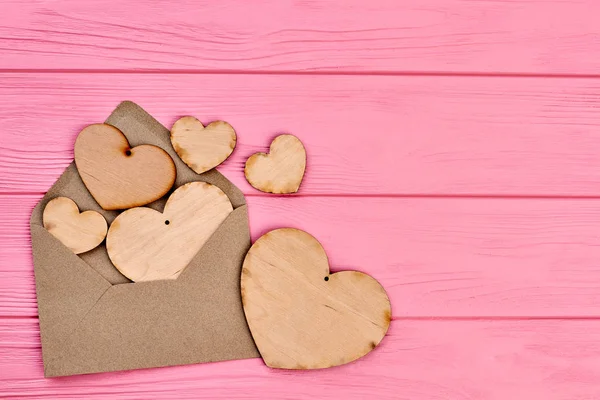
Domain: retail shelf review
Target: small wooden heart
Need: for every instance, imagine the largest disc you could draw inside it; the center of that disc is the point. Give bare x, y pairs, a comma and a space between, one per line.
118, 176
202, 148
281, 170
147, 245
79, 232
300, 316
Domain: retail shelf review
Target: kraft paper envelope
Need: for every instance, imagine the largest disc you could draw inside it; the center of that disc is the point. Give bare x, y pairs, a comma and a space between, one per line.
93, 319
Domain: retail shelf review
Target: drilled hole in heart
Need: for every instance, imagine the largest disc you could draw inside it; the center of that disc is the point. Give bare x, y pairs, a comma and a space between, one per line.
128, 153
326, 278
167, 222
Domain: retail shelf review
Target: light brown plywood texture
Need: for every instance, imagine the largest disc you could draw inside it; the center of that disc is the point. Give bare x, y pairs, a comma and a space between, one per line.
80, 232
281, 170
117, 175
146, 245
301, 317
202, 148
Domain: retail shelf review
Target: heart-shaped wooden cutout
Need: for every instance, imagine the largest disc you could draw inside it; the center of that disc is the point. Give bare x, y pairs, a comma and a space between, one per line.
79, 232
281, 170
147, 245
202, 148
118, 176
300, 316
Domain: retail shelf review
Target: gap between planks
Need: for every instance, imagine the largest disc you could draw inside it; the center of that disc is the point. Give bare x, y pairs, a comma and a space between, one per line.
448, 74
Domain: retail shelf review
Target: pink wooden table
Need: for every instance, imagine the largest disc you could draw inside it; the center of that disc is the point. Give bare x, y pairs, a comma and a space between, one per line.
454, 154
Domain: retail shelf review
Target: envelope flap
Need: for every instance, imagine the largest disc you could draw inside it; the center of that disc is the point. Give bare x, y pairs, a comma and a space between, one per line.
141, 128
67, 289
227, 246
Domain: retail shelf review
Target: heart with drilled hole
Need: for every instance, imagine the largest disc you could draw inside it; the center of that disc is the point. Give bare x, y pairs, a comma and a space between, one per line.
117, 175
300, 315
145, 245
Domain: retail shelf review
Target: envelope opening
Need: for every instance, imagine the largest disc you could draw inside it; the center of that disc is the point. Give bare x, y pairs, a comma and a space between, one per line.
189, 269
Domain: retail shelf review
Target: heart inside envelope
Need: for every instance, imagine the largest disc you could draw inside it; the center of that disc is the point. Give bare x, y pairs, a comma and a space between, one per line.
145, 245
300, 316
80, 232
117, 175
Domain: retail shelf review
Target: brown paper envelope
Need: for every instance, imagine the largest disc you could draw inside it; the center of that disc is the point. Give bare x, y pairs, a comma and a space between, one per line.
93, 319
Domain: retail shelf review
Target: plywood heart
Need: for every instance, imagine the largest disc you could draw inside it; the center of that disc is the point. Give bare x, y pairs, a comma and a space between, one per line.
117, 175
300, 315
279, 171
79, 232
202, 148
146, 245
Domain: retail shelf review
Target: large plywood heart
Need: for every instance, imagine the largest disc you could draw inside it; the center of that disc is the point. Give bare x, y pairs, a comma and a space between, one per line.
117, 175
281, 170
300, 315
79, 232
147, 245
202, 148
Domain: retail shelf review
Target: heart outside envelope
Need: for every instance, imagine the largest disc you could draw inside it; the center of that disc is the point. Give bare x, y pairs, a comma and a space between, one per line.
300, 316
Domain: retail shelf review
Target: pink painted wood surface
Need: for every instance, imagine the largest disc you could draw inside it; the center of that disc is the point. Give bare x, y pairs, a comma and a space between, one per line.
365, 134
470, 191
436, 257
425, 360
544, 36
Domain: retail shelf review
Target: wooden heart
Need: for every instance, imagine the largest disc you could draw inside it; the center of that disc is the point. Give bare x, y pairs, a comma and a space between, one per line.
202, 148
79, 232
281, 170
300, 316
147, 245
119, 176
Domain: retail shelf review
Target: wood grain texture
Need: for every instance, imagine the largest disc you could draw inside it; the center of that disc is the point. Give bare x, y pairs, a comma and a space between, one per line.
533, 37
117, 175
147, 245
427, 135
202, 148
425, 360
280, 170
303, 317
435, 257
80, 232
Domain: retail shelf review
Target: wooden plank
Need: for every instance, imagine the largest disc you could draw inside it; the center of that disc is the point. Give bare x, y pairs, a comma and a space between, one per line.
425, 360
363, 135
535, 37
434, 256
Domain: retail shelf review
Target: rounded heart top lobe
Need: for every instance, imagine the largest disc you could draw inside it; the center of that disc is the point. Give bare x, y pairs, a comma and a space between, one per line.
118, 176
